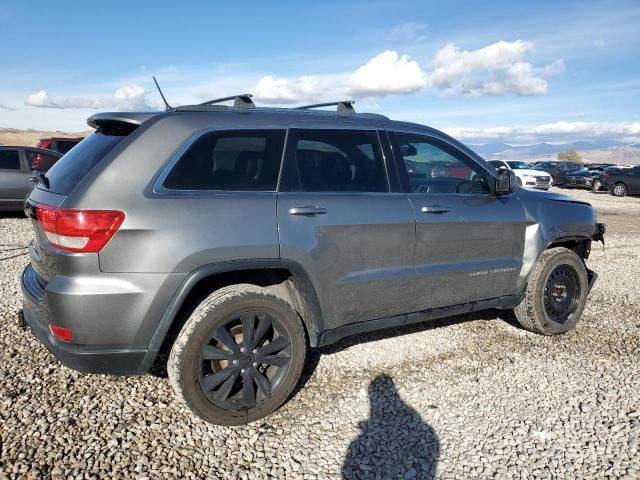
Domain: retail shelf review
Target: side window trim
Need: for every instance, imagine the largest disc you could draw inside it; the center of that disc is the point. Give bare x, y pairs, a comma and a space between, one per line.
436, 141
290, 181
158, 187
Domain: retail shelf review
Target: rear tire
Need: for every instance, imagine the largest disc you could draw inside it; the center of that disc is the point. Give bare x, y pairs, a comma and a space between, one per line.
556, 293
619, 190
239, 355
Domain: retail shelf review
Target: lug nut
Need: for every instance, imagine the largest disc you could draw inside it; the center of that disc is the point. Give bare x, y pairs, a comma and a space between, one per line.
241, 349
242, 370
255, 350
255, 364
235, 362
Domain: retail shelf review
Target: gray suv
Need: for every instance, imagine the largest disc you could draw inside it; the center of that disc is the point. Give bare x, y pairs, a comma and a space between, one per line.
236, 238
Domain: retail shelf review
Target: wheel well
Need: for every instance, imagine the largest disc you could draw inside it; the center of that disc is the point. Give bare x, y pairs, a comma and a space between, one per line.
582, 246
279, 281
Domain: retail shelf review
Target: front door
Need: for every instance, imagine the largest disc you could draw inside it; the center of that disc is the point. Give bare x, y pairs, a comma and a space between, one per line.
338, 220
469, 242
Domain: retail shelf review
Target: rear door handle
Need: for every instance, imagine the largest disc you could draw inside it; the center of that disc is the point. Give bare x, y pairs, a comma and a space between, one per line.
307, 211
435, 209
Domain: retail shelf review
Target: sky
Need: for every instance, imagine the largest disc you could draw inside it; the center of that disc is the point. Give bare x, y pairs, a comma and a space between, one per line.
502, 71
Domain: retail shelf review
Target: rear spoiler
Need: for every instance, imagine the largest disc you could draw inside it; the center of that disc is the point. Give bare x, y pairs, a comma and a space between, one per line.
119, 120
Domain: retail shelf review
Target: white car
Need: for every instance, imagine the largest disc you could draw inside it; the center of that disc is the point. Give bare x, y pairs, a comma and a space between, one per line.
527, 175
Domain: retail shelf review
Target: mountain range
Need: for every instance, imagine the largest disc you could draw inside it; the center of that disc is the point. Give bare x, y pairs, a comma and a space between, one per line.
623, 153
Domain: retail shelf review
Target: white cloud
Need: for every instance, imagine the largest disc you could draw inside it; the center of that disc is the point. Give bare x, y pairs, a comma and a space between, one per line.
554, 132
407, 31
496, 70
385, 74
283, 90
5, 107
41, 99
127, 97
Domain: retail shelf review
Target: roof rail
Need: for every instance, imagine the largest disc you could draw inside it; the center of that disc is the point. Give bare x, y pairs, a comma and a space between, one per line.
241, 100
344, 106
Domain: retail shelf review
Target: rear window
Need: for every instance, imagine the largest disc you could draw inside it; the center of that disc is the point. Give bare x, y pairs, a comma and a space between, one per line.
63, 146
65, 175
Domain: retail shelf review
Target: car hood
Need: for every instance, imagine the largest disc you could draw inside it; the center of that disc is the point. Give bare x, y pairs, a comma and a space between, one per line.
531, 171
553, 196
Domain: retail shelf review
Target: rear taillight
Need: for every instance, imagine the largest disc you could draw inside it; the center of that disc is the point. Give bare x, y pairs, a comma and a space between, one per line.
84, 231
61, 333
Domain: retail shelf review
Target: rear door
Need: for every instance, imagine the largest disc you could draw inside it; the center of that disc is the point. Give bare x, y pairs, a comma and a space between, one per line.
14, 178
342, 218
469, 243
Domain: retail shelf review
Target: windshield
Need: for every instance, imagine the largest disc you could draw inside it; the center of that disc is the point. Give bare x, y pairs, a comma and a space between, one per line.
519, 165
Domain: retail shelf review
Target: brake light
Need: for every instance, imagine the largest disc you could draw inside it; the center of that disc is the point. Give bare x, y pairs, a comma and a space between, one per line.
61, 333
85, 231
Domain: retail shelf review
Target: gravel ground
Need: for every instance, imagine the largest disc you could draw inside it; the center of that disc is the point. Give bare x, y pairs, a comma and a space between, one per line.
469, 397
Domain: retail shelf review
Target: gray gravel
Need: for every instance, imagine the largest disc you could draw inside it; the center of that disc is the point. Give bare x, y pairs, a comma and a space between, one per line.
474, 396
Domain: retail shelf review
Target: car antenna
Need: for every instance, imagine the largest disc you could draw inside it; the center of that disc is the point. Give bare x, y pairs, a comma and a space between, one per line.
169, 107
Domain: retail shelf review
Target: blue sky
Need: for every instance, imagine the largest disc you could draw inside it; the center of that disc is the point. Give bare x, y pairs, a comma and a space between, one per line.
519, 72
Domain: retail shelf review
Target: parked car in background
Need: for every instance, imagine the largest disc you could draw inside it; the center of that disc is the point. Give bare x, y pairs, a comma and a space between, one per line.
557, 170
59, 144
621, 181
18, 165
586, 177
240, 237
526, 174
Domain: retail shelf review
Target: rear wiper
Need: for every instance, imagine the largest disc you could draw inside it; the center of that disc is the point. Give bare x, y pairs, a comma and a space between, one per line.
40, 177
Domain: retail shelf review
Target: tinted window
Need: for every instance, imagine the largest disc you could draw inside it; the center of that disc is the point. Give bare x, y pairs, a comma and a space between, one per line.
63, 146
232, 161
40, 161
9, 160
434, 167
339, 161
75, 165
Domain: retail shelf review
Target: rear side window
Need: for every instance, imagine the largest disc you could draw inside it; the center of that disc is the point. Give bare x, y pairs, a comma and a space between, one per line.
230, 161
78, 162
9, 160
339, 161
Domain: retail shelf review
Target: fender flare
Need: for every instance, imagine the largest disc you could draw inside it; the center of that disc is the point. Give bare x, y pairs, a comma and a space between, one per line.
312, 320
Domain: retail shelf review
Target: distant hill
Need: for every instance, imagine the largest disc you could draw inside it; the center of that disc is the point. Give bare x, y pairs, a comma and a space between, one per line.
29, 138
606, 151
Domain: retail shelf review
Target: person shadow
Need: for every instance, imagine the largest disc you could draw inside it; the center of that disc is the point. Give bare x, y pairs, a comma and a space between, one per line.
394, 442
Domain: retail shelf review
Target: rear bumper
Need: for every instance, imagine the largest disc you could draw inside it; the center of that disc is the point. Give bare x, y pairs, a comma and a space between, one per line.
92, 360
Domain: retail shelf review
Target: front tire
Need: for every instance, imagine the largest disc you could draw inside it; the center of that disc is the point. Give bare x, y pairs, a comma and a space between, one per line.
239, 355
619, 190
597, 185
556, 293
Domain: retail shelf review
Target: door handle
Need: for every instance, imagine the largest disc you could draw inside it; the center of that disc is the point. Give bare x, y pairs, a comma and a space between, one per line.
435, 209
307, 211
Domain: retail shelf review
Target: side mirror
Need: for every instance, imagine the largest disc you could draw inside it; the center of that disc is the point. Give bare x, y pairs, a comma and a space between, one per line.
506, 182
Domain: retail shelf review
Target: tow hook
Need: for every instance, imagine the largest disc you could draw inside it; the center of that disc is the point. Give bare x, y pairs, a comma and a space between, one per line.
22, 323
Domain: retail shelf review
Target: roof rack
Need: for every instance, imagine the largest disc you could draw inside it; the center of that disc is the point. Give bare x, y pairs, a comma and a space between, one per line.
241, 100
344, 106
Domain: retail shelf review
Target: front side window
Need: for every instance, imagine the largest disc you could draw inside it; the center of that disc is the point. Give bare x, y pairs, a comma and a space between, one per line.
230, 160
9, 160
339, 161
434, 167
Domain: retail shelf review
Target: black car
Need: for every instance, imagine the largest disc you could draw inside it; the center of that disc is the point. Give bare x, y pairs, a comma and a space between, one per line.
557, 170
621, 181
587, 177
